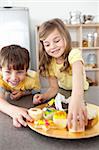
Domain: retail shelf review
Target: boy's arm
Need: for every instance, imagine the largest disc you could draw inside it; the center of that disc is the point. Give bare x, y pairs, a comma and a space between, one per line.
4, 105
17, 113
29, 92
15, 95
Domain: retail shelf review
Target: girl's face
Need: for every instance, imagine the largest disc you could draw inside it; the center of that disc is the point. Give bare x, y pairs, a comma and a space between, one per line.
54, 44
13, 77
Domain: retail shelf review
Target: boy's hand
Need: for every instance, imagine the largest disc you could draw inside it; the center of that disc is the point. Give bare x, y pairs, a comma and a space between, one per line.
38, 98
19, 116
15, 95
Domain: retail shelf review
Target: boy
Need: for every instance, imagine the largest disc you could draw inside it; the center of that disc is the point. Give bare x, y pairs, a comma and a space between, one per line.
16, 80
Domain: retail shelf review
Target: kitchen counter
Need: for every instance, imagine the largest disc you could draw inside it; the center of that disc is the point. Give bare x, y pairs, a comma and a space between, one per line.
12, 138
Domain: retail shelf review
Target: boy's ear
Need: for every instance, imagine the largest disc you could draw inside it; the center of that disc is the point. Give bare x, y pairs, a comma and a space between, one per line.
0, 69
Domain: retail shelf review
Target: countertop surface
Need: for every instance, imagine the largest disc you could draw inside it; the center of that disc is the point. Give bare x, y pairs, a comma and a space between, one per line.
24, 138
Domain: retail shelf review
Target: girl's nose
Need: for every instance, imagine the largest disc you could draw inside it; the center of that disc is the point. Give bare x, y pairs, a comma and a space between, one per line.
53, 45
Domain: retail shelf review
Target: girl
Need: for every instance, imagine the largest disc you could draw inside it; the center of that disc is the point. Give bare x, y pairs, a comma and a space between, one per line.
64, 68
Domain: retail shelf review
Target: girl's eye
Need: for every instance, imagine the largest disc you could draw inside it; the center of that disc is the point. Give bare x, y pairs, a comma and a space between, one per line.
56, 41
46, 45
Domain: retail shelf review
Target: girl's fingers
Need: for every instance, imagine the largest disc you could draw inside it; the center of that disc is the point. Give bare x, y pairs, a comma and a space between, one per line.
69, 120
36, 96
85, 116
81, 120
74, 122
37, 99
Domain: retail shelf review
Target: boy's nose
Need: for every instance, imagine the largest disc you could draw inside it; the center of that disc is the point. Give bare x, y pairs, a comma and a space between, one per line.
13, 76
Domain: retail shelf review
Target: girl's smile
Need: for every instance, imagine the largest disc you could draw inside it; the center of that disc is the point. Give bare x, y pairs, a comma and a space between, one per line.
54, 44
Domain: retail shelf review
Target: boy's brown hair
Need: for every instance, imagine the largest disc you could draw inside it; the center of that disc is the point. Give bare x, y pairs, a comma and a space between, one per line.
14, 56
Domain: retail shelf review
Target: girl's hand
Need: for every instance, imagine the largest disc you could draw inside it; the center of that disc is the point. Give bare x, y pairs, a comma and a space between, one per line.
77, 111
15, 95
19, 116
38, 98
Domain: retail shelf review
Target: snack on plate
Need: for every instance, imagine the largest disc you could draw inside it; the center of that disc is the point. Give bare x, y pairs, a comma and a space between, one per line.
44, 124
61, 103
51, 103
92, 117
49, 117
35, 113
48, 113
60, 119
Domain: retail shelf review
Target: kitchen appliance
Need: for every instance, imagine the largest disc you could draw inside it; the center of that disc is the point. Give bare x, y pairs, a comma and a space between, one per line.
14, 26
74, 17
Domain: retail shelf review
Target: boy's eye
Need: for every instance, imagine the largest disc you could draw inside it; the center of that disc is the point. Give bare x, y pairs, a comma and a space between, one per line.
7, 71
20, 72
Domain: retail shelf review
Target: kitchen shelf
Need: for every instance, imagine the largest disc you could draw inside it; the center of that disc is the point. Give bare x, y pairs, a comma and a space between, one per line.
78, 33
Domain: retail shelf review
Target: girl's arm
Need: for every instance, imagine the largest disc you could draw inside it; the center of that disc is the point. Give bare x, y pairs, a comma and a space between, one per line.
77, 106
51, 92
53, 88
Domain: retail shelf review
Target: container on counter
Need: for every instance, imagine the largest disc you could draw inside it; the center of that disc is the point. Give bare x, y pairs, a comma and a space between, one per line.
90, 40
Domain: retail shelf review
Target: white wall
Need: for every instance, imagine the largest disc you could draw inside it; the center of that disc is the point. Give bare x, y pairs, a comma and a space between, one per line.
41, 10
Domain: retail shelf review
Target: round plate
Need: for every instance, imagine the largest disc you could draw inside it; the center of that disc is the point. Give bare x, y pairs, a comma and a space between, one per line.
64, 133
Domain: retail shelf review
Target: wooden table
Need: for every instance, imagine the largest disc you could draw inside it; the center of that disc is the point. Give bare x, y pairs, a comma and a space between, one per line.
12, 138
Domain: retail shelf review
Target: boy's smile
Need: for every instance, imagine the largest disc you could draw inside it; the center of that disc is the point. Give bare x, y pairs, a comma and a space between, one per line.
13, 77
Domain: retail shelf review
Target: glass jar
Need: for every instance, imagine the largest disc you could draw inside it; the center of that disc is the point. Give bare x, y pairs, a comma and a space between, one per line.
96, 39
90, 40
75, 17
91, 60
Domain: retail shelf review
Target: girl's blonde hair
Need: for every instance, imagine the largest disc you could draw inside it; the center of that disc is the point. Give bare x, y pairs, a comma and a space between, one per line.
44, 30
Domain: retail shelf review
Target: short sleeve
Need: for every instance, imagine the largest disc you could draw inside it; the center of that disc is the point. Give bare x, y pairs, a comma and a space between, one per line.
1, 82
33, 80
2, 92
75, 55
51, 70
2, 89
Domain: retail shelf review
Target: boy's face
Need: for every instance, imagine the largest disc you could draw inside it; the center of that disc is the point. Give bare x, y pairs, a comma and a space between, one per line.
13, 77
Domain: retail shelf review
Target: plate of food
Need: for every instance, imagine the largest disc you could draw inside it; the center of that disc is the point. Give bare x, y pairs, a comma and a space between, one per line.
49, 121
